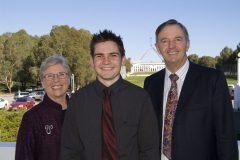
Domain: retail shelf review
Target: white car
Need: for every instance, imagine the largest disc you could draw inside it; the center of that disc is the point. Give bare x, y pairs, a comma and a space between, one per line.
3, 103
231, 91
37, 95
20, 94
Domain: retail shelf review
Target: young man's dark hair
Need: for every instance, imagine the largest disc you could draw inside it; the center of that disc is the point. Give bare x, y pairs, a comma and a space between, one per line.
107, 35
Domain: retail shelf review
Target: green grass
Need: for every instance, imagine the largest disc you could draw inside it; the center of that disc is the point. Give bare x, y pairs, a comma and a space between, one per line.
139, 80
231, 79
142, 73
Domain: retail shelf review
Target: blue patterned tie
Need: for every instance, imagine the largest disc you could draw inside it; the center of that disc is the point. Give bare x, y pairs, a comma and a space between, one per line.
171, 106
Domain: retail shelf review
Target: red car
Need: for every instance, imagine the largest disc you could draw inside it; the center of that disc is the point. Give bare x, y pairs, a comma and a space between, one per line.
23, 102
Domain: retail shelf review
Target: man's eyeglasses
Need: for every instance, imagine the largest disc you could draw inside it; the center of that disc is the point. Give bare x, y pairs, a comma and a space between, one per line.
51, 76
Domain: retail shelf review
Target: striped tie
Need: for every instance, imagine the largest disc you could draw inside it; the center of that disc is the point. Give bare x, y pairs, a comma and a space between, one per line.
109, 144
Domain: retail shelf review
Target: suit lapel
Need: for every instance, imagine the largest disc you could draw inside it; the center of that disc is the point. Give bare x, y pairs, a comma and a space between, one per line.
159, 89
189, 85
158, 93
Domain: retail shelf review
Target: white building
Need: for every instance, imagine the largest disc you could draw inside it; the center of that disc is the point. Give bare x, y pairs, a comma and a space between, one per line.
123, 72
147, 66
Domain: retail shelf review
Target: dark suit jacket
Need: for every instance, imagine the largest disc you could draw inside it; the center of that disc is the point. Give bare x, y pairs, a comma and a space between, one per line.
203, 128
134, 121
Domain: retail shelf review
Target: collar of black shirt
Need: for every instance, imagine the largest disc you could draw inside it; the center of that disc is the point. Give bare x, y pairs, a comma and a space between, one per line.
114, 88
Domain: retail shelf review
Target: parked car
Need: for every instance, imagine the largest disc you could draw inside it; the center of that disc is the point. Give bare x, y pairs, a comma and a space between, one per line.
20, 94
23, 102
231, 91
3, 103
37, 95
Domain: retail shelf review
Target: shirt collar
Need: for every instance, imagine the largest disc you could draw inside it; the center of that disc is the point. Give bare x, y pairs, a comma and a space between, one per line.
50, 103
114, 88
181, 72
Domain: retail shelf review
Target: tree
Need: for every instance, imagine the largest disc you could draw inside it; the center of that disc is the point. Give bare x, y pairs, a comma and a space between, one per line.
74, 45
26, 74
207, 61
230, 67
224, 56
194, 58
10, 63
227, 61
238, 47
43, 49
16, 48
235, 52
128, 64
3, 38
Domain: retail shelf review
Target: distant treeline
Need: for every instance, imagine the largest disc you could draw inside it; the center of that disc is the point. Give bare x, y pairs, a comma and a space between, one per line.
226, 61
21, 55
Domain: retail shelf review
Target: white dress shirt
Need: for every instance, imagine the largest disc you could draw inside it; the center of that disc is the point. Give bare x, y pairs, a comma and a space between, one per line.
181, 73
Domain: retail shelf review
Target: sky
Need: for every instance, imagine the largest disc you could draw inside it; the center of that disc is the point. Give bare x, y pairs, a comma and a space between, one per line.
212, 24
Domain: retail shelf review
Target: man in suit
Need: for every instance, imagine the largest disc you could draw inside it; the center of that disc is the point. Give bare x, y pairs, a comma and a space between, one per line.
124, 128
202, 122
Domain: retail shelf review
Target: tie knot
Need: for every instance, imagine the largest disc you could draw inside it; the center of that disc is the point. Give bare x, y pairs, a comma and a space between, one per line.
173, 77
107, 91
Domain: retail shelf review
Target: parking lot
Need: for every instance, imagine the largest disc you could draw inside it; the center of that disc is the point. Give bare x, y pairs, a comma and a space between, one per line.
10, 98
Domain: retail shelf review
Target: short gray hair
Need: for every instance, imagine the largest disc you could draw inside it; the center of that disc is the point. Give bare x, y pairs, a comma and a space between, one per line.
53, 60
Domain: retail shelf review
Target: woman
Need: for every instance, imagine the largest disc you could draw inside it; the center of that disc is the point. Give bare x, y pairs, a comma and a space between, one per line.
40, 130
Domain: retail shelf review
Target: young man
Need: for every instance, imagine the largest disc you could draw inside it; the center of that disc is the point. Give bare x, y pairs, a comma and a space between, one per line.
124, 127
196, 118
